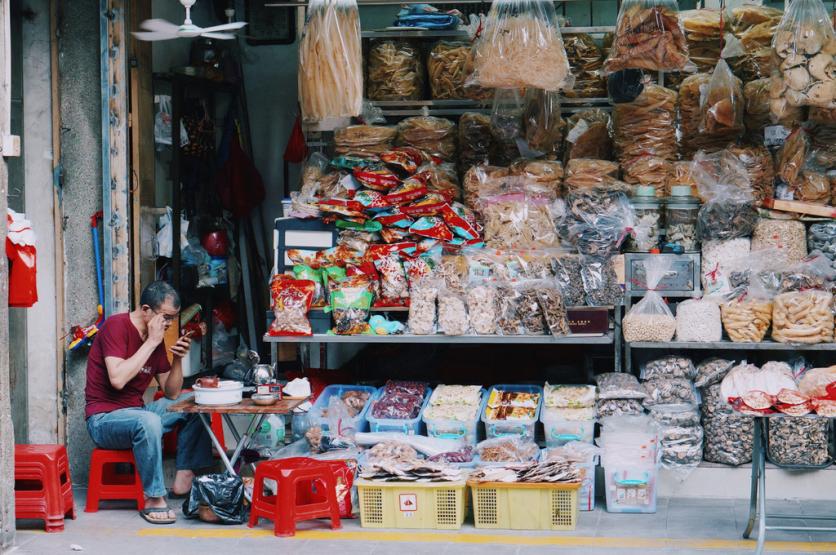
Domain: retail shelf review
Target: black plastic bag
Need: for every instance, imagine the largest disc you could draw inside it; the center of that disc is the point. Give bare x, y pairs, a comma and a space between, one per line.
625, 85
223, 493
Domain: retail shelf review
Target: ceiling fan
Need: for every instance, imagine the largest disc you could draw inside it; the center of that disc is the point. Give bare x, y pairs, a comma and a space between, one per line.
160, 29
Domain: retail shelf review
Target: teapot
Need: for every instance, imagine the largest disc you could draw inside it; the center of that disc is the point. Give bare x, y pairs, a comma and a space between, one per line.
261, 374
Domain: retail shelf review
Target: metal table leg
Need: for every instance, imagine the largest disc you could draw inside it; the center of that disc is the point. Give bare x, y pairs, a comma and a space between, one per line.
207, 423
757, 497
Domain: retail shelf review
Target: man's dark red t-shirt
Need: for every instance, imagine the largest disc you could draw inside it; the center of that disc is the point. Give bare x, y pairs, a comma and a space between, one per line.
118, 337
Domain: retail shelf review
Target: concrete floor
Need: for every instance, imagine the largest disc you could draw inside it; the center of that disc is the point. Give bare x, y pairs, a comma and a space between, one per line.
680, 526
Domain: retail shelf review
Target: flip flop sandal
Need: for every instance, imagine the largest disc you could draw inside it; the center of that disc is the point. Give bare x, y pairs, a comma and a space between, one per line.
145, 512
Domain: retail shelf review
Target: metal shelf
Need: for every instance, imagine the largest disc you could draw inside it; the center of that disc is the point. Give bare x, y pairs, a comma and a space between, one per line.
449, 339
361, 3
414, 33
730, 345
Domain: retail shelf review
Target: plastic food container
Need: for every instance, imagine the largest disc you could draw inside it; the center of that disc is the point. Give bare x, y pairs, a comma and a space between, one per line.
523, 428
411, 426
559, 431
586, 495
648, 222
428, 505
681, 211
467, 431
535, 506
228, 392
317, 412
631, 489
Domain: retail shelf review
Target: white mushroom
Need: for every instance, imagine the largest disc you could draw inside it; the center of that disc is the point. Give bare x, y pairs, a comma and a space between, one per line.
809, 39
777, 86
795, 98
821, 67
792, 60
783, 42
822, 94
797, 78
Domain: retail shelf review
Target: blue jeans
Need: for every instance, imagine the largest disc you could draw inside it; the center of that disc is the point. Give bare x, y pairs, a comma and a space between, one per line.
142, 429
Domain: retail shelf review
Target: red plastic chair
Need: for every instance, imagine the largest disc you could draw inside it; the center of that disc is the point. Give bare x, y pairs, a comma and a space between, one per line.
106, 483
295, 477
43, 489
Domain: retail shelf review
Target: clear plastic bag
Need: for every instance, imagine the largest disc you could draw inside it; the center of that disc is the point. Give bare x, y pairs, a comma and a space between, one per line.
331, 59
452, 313
821, 237
679, 415
553, 308
721, 108
544, 127
506, 126
803, 317
341, 426
671, 366
619, 385
351, 301
422, 314
436, 136
712, 371
569, 396
669, 391
567, 272
395, 71
728, 438
600, 282
698, 320
521, 47
449, 65
650, 319
474, 139
507, 450
618, 407
704, 34
586, 61
588, 136
648, 36
482, 308
518, 220
761, 111
805, 45
729, 211
508, 299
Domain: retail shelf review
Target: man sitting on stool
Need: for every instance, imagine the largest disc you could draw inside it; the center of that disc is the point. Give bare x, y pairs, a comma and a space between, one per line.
126, 354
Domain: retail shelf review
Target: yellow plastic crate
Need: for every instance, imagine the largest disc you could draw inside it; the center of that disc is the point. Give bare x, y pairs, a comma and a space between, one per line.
430, 505
515, 506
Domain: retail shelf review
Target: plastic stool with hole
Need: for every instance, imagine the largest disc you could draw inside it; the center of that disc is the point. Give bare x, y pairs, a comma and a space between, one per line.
106, 484
43, 489
294, 477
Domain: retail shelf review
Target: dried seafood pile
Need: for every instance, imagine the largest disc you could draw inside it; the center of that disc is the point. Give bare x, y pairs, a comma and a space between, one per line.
552, 471
754, 27
588, 135
758, 114
586, 61
648, 36
449, 66
364, 140
412, 471
436, 136
395, 71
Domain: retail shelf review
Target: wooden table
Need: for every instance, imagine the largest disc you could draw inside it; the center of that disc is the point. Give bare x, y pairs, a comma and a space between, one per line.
257, 414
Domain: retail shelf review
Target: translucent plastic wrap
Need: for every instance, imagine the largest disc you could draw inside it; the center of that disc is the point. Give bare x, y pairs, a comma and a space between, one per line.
668, 367
529, 311
805, 45
518, 220
477, 178
650, 319
395, 71
588, 136
364, 140
786, 238
748, 47
821, 237
803, 317
645, 136
619, 385
507, 450
759, 165
669, 391
680, 436
698, 320
331, 59
508, 301
449, 65
433, 135
567, 271
586, 61
507, 126
452, 313
351, 300
712, 371
482, 308
600, 282
728, 438
690, 117
648, 35
759, 113
618, 407
422, 312
544, 128
704, 34
553, 308
729, 210
721, 109
474, 140
586, 173
521, 47
569, 396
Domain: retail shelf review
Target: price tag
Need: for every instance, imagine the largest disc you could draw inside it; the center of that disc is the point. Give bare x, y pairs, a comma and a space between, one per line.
775, 135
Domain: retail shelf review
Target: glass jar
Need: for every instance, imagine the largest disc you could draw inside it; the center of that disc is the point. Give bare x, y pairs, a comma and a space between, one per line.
395, 71
647, 225
681, 218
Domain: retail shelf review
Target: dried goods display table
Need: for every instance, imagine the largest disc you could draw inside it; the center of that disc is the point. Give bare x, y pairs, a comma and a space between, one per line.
757, 497
246, 406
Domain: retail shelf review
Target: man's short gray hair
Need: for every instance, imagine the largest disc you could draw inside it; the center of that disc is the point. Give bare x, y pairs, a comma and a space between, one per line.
156, 294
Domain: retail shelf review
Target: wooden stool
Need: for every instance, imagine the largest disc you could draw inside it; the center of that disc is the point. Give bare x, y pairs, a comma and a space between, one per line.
43, 489
291, 476
105, 483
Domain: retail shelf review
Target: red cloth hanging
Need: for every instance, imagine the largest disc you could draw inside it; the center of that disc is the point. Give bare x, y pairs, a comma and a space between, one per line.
239, 185
297, 149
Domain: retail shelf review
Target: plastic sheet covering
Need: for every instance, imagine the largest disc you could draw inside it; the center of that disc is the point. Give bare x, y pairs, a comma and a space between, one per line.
331, 59
645, 136
586, 61
648, 36
521, 46
395, 71
805, 46
544, 128
588, 136
433, 135
758, 114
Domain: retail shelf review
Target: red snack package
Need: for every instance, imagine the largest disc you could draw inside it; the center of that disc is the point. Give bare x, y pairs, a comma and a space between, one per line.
393, 234
432, 227
376, 251
394, 218
417, 269
430, 205
304, 256
403, 159
341, 255
291, 299
372, 200
411, 189
377, 178
393, 285
457, 221
350, 208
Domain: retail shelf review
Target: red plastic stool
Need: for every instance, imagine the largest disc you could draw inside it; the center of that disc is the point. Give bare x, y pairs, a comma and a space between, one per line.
43, 489
105, 483
293, 476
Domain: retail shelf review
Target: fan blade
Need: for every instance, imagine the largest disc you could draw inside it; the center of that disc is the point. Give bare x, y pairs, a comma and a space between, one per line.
159, 25
225, 27
153, 35
218, 36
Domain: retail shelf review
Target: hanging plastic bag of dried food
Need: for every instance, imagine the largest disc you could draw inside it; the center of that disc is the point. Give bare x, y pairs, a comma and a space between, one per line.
521, 47
805, 46
506, 126
331, 59
543, 125
721, 108
650, 319
729, 210
648, 35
